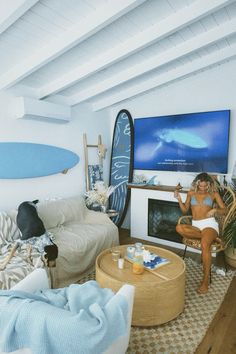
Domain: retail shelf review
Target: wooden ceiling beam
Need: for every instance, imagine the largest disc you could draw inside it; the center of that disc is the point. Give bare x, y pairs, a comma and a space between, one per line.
11, 11
83, 30
165, 78
189, 14
200, 41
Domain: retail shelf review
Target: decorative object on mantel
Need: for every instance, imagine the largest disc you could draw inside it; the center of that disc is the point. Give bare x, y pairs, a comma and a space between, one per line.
153, 181
121, 168
29, 160
139, 179
97, 198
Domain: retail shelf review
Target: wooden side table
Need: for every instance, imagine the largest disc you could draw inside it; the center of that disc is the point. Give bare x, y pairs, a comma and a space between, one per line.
157, 299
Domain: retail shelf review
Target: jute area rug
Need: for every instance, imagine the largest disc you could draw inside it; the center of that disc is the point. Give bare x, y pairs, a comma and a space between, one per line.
185, 333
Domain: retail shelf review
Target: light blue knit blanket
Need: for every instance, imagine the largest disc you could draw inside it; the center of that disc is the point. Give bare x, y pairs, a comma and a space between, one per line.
79, 319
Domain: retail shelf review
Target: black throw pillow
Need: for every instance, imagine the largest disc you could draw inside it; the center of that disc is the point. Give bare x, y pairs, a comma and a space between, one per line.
28, 220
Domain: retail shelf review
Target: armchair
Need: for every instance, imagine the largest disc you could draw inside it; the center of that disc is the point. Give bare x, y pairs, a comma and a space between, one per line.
229, 200
38, 280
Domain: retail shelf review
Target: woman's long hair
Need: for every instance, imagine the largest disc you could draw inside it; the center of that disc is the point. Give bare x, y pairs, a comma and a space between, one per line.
204, 177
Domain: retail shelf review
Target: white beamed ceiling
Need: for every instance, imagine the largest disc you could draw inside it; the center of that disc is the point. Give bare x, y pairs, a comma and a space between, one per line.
103, 52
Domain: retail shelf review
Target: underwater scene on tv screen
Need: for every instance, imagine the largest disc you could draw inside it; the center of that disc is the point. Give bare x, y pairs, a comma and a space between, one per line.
192, 142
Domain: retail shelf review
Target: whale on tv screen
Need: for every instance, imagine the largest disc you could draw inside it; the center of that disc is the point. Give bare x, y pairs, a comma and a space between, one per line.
192, 142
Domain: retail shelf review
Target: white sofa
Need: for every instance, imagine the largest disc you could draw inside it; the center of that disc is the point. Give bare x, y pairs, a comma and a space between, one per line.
80, 234
38, 280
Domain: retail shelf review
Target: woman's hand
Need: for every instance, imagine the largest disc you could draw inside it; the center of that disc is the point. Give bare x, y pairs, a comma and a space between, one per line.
211, 213
177, 195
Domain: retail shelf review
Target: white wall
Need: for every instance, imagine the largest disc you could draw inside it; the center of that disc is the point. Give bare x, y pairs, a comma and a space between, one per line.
209, 90
68, 136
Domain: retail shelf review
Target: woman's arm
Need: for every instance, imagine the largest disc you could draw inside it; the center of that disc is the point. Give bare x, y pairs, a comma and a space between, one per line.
183, 206
221, 209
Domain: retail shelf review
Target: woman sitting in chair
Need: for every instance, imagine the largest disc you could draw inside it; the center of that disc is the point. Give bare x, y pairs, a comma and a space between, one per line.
202, 200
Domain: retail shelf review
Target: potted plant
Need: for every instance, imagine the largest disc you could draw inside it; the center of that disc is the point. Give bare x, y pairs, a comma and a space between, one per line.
229, 236
97, 198
229, 233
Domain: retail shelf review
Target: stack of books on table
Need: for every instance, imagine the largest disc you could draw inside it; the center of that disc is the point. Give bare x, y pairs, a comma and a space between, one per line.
155, 261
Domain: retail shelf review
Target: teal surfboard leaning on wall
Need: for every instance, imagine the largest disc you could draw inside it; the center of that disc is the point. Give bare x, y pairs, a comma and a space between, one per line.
121, 168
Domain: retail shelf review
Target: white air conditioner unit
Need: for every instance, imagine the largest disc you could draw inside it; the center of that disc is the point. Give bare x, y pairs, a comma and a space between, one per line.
30, 108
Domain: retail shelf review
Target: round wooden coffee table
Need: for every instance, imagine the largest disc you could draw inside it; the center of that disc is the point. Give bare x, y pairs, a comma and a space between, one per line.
159, 297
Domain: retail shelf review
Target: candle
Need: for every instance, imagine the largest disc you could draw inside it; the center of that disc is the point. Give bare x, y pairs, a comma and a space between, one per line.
121, 263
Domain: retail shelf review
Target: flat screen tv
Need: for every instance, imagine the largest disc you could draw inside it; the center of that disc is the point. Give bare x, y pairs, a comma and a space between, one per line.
193, 142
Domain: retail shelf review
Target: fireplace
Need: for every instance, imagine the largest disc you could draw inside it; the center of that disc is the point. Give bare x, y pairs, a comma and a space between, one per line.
162, 219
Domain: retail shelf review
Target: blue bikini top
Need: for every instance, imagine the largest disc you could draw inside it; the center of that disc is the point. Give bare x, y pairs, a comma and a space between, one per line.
206, 201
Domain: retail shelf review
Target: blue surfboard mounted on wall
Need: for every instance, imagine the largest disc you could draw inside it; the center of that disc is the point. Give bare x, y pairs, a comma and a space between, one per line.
121, 169
28, 160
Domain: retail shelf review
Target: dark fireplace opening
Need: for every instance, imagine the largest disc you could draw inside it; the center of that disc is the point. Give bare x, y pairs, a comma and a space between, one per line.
162, 219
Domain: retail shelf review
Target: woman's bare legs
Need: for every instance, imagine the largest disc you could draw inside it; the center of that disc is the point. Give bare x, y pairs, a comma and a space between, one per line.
188, 231
207, 236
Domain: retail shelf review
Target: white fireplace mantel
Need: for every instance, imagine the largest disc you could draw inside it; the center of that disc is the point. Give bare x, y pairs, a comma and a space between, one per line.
139, 210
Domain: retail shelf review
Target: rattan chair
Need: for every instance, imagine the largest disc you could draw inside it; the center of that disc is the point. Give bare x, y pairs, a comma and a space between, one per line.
229, 200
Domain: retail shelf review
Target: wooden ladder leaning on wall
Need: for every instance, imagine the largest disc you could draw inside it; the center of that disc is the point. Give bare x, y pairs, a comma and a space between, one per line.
101, 155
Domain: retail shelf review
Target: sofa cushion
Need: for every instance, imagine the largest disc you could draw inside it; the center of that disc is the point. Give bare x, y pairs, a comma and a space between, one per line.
60, 211
79, 244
